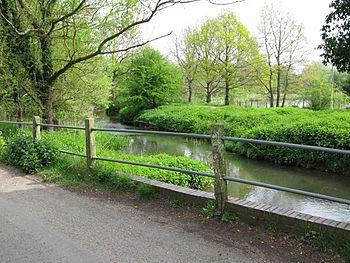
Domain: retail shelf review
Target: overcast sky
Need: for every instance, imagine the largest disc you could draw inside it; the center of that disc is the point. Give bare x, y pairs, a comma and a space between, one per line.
311, 13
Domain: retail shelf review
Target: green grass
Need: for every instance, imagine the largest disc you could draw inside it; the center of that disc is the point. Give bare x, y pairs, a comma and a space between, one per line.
321, 128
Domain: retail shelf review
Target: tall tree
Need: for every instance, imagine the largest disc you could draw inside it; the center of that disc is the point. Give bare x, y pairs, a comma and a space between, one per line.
235, 48
336, 36
218, 55
185, 55
282, 40
207, 75
50, 37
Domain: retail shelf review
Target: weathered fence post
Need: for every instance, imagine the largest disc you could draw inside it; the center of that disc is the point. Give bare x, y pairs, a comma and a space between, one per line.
36, 128
90, 141
219, 166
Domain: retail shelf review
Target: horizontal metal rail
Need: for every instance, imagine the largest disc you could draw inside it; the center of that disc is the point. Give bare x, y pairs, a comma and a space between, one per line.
155, 166
208, 137
191, 135
225, 138
16, 122
198, 136
72, 153
289, 145
290, 190
63, 126
227, 178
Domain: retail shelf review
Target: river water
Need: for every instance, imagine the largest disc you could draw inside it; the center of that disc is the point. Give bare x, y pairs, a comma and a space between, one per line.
240, 167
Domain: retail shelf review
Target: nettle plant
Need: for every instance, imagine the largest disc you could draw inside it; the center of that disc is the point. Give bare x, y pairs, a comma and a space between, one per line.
30, 155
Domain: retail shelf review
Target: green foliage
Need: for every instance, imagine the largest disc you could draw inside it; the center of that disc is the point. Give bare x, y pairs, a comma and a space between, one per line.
318, 82
75, 141
151, 80
228, 216
146, 191
210, 210
111, 146
30, 155
2, 140
321, 128
335, 34
176, 178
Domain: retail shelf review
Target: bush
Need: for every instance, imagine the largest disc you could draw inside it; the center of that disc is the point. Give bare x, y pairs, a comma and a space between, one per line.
30, 155
176, 178
321, 128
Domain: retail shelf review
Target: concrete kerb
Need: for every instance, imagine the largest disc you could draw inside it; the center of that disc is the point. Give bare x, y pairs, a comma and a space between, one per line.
254, 213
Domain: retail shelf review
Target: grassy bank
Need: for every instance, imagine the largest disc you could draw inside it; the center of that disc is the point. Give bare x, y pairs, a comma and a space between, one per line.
321, 128
72, 171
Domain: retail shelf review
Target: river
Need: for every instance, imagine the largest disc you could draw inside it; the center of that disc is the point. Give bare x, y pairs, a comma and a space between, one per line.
261, 171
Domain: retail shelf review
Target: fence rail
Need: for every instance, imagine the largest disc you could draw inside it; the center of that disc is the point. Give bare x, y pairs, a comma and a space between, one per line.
217, 139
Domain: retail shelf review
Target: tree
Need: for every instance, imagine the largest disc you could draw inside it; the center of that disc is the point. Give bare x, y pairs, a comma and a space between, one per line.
151, 81
48, 38
282, 39
218, 55
317, 90
336, 36
185, 55
235, 49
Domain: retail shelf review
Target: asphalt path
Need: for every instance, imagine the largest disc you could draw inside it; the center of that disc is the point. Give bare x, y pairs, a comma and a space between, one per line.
45, 223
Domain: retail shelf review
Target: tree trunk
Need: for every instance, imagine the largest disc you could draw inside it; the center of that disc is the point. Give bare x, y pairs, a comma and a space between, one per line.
190, 91
208, 94
208, 97
278, 95
49, 114
271, 99
227, 92
284, 99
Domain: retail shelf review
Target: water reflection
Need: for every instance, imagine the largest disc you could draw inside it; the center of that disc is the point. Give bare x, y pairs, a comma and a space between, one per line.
240, 167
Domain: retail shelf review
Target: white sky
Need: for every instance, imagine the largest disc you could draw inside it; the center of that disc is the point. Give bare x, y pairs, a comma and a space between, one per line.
311, 13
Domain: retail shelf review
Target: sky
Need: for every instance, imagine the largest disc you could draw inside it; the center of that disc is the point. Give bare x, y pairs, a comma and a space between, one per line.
311, 13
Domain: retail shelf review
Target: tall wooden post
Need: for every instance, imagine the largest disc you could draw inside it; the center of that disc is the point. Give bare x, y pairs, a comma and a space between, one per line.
90, 141
219, 166
36, 128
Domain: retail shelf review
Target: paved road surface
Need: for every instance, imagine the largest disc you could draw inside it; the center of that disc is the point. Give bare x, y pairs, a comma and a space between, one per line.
43, 223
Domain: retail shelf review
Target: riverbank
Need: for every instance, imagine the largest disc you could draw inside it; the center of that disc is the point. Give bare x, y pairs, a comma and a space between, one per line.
108, 146
300, 126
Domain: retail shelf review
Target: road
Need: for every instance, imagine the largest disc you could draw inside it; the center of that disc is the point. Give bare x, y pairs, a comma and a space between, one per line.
45, 223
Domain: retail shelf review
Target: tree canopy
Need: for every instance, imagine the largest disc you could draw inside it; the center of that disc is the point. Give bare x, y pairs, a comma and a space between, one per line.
152, 81
336, 36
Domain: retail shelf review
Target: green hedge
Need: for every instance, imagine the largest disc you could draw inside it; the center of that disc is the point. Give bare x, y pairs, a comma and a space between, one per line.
321, 128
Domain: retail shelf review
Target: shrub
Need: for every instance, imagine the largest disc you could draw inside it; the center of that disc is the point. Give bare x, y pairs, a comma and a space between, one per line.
293, 125
30, 155
176, 178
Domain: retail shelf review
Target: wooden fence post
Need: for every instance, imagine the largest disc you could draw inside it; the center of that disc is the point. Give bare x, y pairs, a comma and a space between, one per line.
90, 142
36, 128
219, 166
